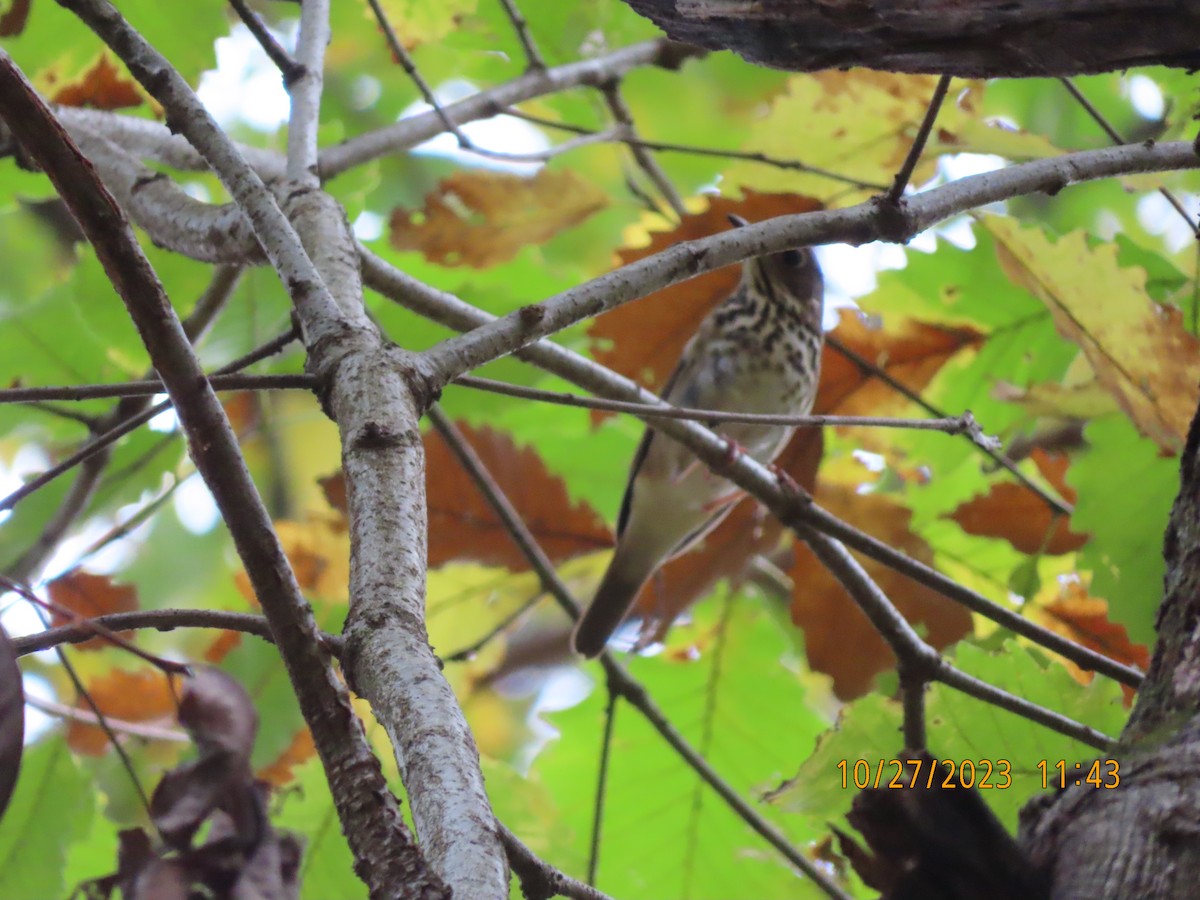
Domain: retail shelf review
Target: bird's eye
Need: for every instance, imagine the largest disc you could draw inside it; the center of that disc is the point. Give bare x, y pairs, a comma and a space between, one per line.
794, 259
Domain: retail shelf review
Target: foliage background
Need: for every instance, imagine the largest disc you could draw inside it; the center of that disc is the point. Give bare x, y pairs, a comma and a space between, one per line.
1078, 309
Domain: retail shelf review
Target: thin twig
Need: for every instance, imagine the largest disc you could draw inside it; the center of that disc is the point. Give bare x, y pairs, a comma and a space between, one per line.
114, 434
539, 880
124, 529
912, 696
1051, 499
918, 658
133, 729
620, 682
71, 415
595, 841
82, 692
454, 313
98, 630
646, 162
964, 424
159, 620
499, 628
533, 57
665, 147
918, 145
149, 388
1117, 138
288, 67
404, 58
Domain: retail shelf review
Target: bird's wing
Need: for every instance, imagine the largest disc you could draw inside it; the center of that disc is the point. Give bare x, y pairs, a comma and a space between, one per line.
683, 371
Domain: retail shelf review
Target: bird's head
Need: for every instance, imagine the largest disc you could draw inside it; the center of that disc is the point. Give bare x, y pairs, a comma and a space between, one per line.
792, 277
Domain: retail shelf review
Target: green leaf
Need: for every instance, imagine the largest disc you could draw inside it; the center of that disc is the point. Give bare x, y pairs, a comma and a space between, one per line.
664, 832
52, 807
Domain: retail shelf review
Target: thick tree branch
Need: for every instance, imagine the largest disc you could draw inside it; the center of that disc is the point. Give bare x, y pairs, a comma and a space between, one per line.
385, 853
148, 139
855, 225
620, 682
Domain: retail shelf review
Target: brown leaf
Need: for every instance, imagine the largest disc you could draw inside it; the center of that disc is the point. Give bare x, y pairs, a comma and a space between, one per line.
12, 719
244, 410
909, 351
644, 339
481, 218
12, 23
283, 769
334, 488
1015, 513
103, 86
1084, 619
139, 696
318, 549
222, 645
462, 526
219, 715
88, 596
832, 622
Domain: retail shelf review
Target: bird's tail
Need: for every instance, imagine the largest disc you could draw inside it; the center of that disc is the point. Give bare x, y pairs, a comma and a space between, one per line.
614, 598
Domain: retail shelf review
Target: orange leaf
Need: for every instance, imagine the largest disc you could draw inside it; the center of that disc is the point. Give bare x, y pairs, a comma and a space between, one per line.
1015, 513
1084, 619
840, 641
646, 338
103, 86
88, 595
139, 696
462, 525
298, 752
334, 488
909, 351
222, 645
481, 218
318, 549
244, 410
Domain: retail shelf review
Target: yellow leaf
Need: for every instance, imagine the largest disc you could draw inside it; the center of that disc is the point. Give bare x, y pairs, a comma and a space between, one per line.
1139, 350
1089, 400
859, 124
417, 22
483, 218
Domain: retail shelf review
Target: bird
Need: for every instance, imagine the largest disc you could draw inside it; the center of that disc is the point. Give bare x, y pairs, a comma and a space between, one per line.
757, 351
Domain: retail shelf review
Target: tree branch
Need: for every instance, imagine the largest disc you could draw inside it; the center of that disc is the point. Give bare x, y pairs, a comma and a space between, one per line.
452, 312
369, 815
855, 225
620, 682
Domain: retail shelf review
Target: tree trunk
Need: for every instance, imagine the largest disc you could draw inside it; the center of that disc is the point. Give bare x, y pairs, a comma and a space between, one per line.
969, 38
1142, 838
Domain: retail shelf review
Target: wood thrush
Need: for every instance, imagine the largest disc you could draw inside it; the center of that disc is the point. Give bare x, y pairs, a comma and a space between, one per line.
758, 351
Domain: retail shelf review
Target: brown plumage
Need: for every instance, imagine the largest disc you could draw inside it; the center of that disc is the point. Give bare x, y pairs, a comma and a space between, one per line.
758, 351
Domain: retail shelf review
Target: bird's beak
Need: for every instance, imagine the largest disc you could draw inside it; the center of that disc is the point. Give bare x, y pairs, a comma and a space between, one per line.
737, 221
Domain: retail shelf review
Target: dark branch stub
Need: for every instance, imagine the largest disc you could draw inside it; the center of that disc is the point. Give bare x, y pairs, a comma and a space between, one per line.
979, 39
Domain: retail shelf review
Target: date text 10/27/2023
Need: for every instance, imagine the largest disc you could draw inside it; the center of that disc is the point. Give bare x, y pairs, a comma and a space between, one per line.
966, 773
